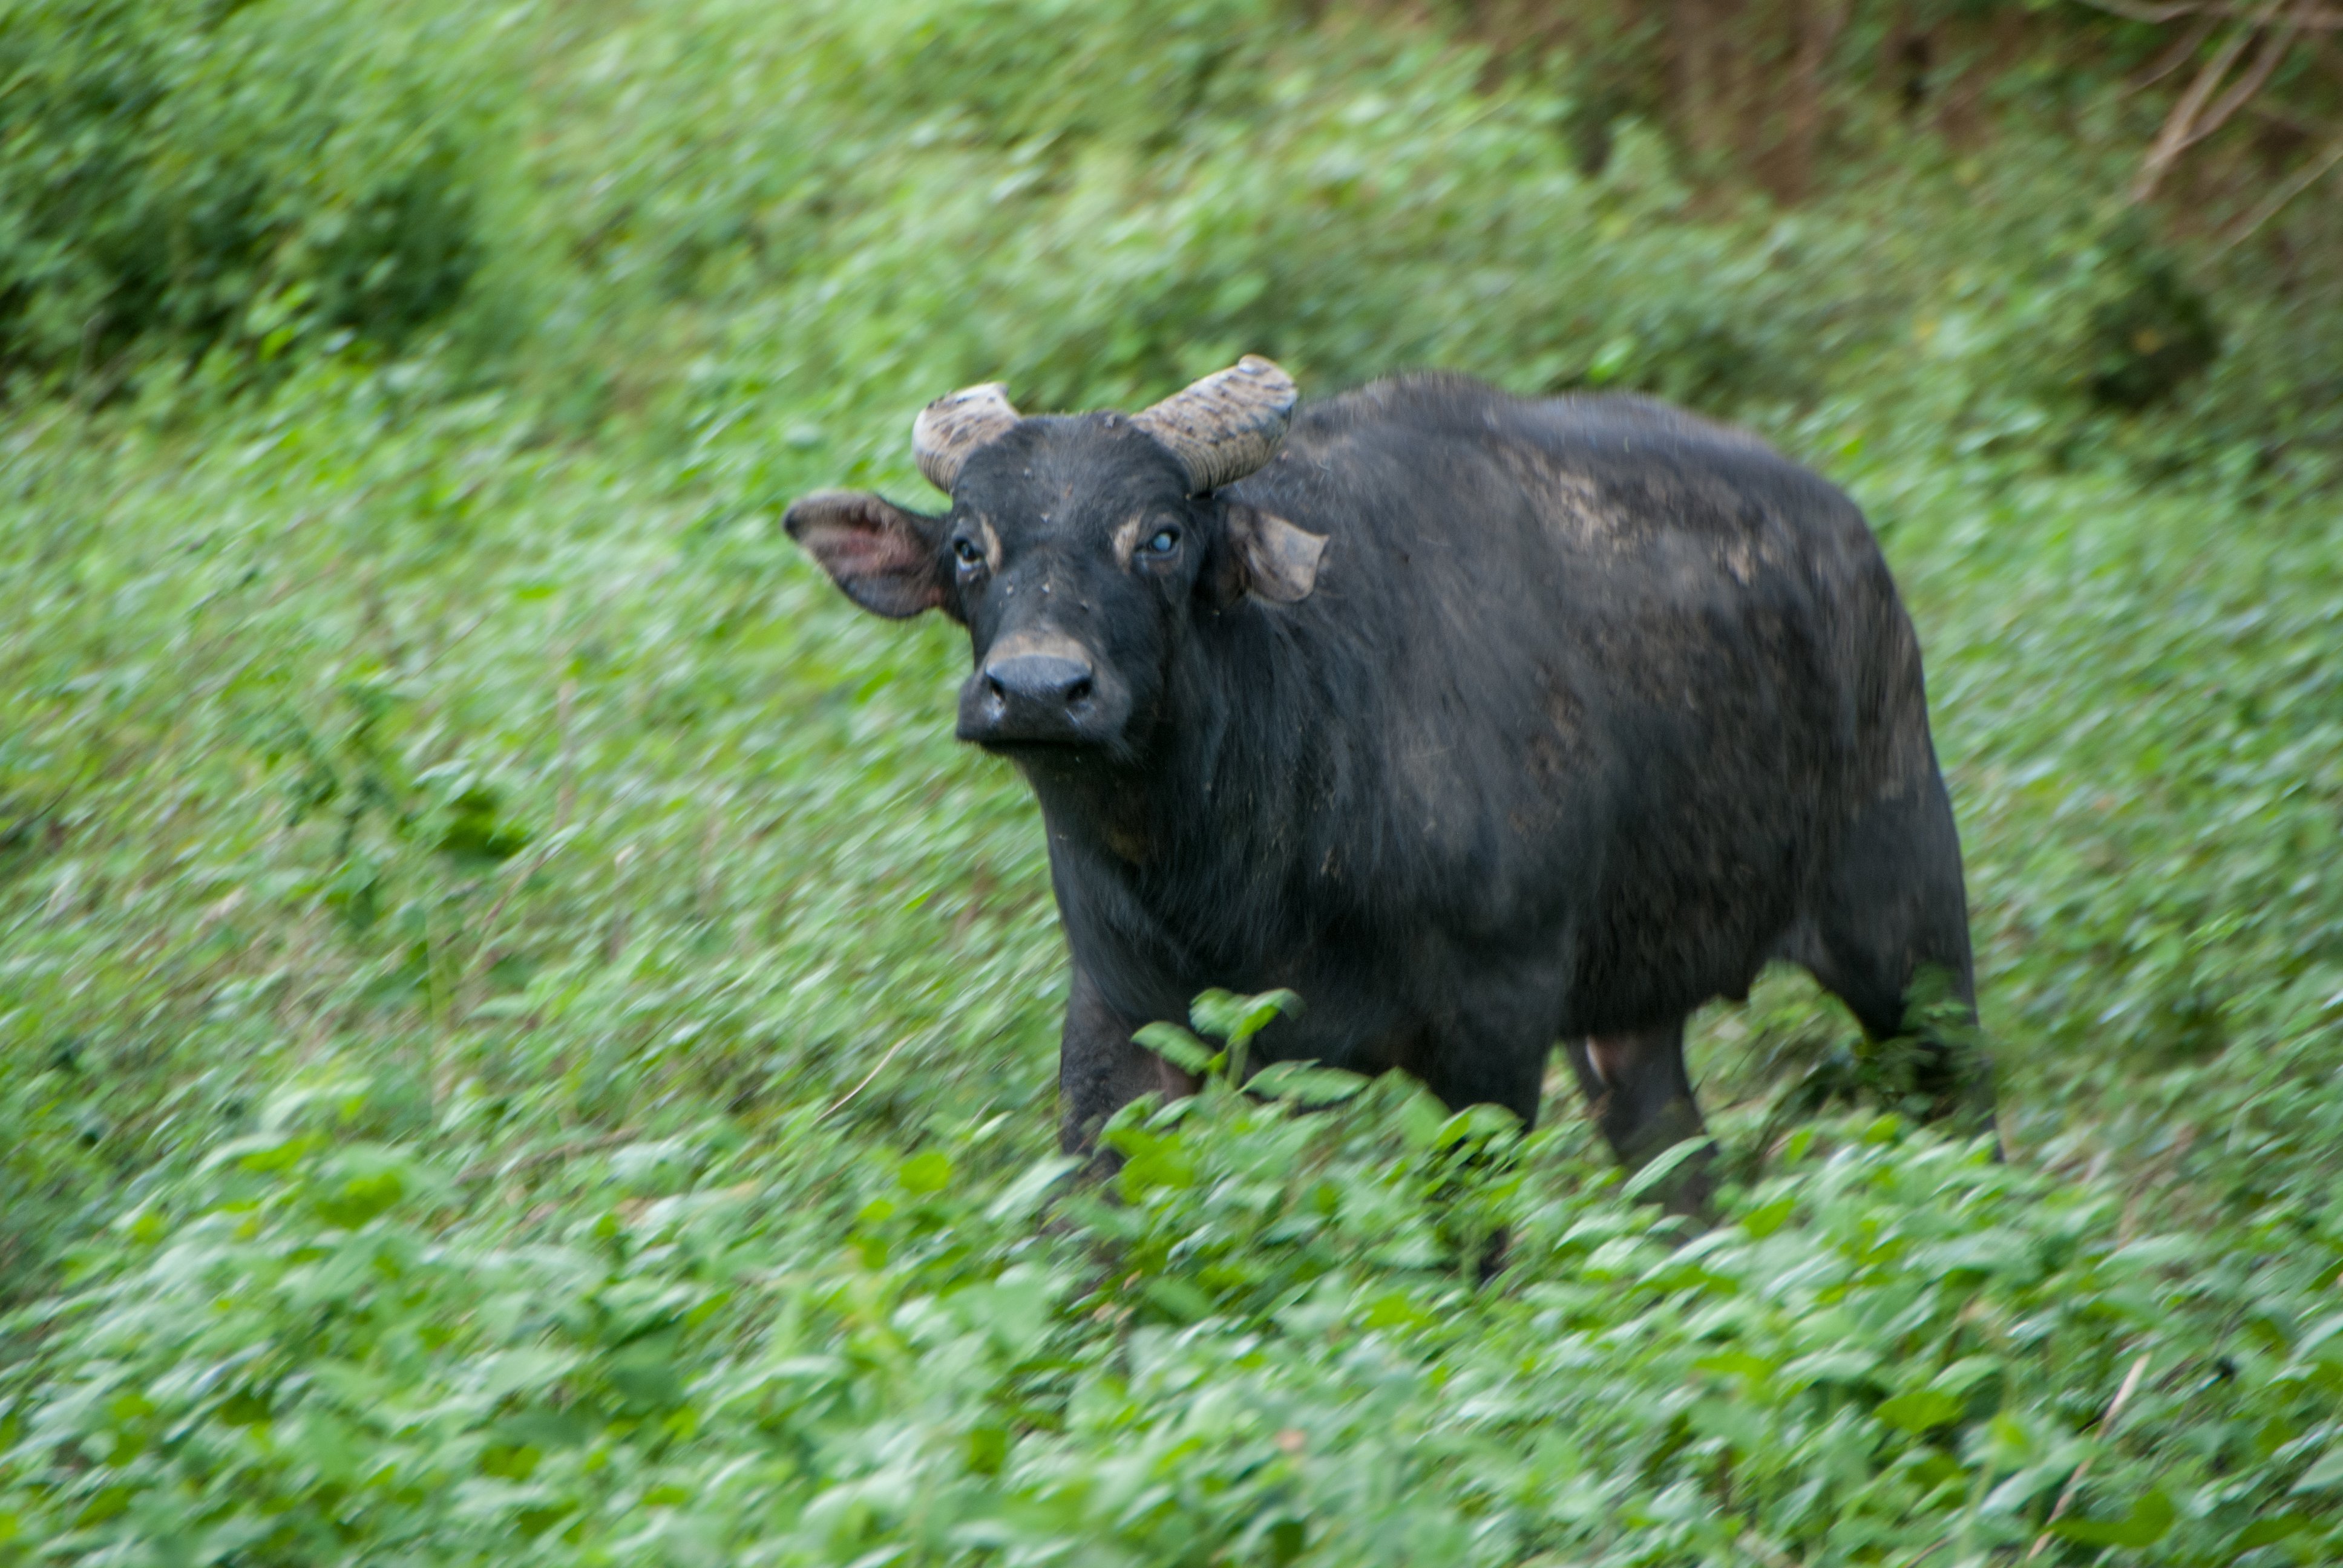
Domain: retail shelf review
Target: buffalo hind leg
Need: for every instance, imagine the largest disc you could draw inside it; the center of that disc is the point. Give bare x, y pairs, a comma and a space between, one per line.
1893, 943
1641, 1097
1921, 1022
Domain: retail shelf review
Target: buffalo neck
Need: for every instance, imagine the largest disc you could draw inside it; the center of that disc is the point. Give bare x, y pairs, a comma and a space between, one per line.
1204, 833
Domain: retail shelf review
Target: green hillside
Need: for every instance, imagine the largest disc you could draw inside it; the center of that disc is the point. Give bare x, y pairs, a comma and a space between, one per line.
524, 1039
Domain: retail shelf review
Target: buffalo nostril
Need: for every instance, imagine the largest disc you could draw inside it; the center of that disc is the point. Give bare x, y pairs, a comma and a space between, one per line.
1021, 695
1037, 681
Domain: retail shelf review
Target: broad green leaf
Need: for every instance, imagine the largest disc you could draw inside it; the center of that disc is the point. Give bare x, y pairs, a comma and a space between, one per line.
1660, 1167
2144, 1525
1920, 1410
1178, 1047
1305, 1083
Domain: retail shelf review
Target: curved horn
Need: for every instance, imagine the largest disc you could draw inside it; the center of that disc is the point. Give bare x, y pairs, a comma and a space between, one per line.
1225, 426
951, 427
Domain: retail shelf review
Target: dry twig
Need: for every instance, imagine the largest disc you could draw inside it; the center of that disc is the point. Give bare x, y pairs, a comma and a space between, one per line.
2183, 50
2157, 16
2075, 1481
842, 1102
2273, 50
2311, 175
2174, 135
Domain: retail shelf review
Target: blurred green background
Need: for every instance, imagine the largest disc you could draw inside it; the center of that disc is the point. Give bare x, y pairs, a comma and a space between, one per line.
523, 1039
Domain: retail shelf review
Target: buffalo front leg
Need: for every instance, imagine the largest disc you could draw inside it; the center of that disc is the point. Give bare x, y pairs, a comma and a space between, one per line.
1101, 1069
1640, 1095
1497, 1056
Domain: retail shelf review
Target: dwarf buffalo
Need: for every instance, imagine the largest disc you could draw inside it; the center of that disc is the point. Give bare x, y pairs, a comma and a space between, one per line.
1479, 722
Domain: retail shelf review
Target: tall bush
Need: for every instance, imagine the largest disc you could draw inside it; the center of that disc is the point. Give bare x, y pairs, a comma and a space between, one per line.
178, 177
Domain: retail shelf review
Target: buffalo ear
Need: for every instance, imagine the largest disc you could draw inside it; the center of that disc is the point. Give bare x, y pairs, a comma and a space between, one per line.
882, 556
1269, 558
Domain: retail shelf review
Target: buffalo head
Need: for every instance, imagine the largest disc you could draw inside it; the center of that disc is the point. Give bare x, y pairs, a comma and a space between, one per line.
1079, 550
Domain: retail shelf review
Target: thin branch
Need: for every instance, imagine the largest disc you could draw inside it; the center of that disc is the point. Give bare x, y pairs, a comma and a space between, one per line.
2273, 49
2172, 59
2301, 125
2075, 1481
2174, 136
2157, 16
2286, 193
847, 1098
2154, 15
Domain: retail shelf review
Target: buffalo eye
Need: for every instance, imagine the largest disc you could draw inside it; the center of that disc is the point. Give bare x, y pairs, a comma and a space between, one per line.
1161, 544
969, 553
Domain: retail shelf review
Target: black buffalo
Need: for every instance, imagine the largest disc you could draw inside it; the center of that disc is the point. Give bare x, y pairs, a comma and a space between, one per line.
1480, 722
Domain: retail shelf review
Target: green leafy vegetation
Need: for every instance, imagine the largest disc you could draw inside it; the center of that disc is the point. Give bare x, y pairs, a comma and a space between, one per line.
182, 176
522, 1038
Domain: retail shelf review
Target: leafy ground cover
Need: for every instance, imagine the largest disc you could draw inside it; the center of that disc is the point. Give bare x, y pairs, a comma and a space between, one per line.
522, 1038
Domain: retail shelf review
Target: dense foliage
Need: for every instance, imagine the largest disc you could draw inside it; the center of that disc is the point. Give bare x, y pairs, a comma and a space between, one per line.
182, 175
522, 1038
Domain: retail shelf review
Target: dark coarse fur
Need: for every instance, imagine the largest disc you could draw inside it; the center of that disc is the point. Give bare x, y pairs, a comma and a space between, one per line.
1595, 708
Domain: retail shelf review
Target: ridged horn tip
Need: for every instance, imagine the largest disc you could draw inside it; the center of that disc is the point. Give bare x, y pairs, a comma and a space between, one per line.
1227, 425
950, 429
